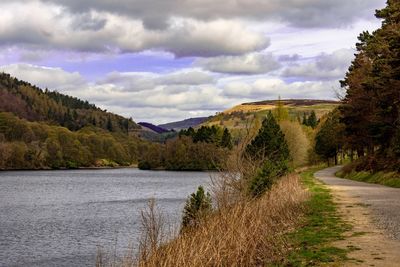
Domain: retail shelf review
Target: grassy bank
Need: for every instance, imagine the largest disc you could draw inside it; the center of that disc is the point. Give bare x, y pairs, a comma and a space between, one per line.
312, 242
247, 233
391, 179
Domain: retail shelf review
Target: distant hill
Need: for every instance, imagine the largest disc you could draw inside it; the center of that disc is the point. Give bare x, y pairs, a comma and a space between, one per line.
34, 104
294, 102
270, 104
184, 124
154, 128
238, 117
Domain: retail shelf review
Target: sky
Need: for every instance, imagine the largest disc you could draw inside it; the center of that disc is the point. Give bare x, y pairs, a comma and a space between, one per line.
166, 60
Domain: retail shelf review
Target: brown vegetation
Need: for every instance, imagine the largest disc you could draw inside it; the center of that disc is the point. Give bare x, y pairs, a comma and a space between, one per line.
241, 231
249, 233
297, 141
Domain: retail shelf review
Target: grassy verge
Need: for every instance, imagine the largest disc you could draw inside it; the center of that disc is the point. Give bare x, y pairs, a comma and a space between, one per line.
391, 179
322, 225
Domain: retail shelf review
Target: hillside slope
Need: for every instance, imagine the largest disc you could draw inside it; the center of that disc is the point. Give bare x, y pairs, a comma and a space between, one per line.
239, 116
34, 104
40, 129
184, 124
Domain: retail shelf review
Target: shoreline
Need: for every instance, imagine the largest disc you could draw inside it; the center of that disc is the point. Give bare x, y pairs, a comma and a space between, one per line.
69, 169
106, 168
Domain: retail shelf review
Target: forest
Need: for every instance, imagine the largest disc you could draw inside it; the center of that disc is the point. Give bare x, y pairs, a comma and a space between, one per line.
37, 145
42, 129
203, 149
34, 104
366, 127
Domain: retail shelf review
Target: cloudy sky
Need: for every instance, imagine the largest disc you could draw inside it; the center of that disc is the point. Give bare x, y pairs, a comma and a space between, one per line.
165, 60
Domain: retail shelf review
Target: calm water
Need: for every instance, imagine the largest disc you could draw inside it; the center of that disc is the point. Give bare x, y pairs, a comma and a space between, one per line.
58, 218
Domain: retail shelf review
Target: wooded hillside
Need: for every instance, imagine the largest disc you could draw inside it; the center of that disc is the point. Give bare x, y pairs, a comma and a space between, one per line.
34, 104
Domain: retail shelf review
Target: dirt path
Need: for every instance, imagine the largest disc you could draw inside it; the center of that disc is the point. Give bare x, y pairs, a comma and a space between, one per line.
374, 212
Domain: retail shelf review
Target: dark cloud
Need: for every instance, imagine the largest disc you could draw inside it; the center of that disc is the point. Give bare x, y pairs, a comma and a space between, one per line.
297, 13
55, 28
86, 21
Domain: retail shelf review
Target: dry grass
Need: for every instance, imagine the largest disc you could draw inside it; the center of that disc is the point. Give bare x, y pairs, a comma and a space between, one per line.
242, 231
249, 233
248, 108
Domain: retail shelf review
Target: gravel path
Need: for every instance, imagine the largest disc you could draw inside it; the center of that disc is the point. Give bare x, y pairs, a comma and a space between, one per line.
382, 202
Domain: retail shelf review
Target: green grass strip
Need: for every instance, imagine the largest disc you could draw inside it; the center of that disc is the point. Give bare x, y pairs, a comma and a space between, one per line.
322, 225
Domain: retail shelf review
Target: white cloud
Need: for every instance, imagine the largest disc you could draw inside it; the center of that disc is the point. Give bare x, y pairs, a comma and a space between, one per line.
262, 89
253, 63
44, 77
142, 81
324, 66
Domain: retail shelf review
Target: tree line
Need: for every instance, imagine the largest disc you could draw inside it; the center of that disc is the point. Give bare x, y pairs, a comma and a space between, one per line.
37, 145
367, 124
203, 149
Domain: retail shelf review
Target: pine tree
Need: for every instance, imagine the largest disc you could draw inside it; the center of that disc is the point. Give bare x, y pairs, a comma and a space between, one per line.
197, 206
329, 139
269, 147
270, 141
312, 120
226, 140
371, 110
305, 121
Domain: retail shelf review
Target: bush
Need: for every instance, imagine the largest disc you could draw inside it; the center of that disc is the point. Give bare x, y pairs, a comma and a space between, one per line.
197, 207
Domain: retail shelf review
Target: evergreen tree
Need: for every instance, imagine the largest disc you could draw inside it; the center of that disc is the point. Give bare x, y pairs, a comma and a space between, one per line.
197, 206
226, 140
269, 147
305, 121
312, 120
329, 139
270, 141
371, 110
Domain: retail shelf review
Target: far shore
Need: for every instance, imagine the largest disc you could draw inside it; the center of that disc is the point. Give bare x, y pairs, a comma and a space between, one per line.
74, 169
104, 168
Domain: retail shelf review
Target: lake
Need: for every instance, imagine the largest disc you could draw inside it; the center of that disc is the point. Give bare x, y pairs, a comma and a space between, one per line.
59, 218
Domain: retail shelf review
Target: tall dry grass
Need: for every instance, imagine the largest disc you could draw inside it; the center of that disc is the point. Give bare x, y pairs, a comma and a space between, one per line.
249, 233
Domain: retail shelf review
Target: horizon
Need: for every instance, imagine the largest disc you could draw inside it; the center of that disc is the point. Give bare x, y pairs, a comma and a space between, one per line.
187, 61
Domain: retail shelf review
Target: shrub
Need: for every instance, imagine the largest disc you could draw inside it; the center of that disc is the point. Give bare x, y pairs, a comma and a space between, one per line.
197, 206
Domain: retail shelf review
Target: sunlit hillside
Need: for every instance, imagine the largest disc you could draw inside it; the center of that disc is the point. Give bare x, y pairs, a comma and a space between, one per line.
240, 116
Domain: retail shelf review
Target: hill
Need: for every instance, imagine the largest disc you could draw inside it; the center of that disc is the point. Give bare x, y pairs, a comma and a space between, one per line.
238, 117
34, 104
184, 124
40, 129
270, 104
154, 128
